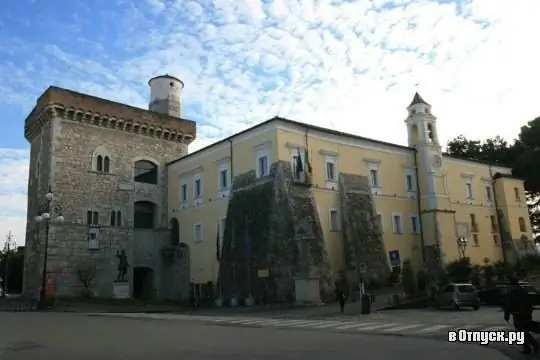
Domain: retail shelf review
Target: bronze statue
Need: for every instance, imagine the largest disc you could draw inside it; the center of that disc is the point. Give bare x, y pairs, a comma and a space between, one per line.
122, 265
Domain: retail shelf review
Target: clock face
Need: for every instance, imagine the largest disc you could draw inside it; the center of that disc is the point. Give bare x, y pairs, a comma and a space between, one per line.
437, 161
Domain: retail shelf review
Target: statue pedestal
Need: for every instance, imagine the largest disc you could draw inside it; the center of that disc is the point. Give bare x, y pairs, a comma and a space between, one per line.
307, 290
121, 290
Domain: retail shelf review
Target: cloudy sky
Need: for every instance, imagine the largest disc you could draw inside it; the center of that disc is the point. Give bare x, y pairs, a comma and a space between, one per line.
349, 65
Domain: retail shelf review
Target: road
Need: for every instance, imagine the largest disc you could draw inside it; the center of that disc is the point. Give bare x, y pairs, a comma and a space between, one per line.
63, 336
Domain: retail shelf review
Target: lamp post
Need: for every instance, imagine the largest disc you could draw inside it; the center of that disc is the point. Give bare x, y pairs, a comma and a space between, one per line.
462, 246
46, 212
8, 245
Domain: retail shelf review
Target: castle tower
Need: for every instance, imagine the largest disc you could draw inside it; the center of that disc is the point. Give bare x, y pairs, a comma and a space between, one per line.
437, 219
165, 95
105, 162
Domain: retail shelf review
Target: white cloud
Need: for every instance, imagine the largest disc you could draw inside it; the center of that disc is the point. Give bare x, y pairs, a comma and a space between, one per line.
349, 65
13, 186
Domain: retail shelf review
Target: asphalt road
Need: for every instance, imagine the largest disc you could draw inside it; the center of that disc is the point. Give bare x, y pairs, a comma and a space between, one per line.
63, 336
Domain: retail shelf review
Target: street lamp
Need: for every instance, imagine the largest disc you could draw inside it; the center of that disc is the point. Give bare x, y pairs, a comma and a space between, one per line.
8, 245
462, 245
47, 212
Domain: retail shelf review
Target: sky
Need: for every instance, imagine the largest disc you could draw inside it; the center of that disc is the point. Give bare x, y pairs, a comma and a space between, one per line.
349, 65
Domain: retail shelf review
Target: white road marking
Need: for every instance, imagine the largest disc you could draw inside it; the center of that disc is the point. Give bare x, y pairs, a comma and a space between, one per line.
330, 324
433, 328
355, 325
401, 328
377, 326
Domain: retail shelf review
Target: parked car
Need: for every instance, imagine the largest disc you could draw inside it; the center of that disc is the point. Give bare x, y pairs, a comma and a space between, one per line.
497, 294
458, 295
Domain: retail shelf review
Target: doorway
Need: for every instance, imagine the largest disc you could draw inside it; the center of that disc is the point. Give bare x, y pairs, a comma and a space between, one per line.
143, 283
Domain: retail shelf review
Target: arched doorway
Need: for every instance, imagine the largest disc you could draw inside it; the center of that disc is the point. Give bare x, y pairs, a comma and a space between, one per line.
143, 283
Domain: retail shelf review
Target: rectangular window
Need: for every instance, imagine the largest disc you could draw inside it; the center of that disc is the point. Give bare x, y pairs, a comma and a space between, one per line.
475, 239
334, 220
415, 224
198, 232
330, 171
92, 217
183, 192
262, 165
397, 224
223, 179
374, 177
489, 193
517, 194
409, 182
222, 224
468, 189
474, 225
493, 221
197, 188
495, 239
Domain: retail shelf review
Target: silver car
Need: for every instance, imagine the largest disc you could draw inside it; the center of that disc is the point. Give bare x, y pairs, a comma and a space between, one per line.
457, 295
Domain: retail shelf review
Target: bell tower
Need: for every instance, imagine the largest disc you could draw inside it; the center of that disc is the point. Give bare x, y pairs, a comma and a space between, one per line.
437, 219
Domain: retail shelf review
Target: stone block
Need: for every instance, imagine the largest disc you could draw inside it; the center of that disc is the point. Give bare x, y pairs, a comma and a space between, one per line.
121, 290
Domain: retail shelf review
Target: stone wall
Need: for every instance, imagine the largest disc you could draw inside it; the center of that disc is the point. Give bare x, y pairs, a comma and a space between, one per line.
362, 239
66, 149
272, 208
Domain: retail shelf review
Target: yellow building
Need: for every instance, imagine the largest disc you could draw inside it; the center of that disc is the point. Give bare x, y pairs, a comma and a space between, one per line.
419, 202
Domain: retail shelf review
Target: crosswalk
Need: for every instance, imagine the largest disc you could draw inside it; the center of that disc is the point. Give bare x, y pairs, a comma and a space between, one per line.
346, 325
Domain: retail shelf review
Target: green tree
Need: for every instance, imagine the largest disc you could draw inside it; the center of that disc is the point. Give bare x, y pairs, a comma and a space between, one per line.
15, 259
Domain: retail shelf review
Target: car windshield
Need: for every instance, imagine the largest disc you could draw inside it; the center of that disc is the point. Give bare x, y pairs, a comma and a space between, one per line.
465, 288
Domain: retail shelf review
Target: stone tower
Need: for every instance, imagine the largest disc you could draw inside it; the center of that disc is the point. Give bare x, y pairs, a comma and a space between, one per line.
437, 220
105, 163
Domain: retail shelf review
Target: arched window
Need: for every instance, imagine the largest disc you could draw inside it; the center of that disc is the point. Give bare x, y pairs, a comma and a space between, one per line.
144, 215
146, 172
522, 225
106, 164
175, 232
414, 134
99, 163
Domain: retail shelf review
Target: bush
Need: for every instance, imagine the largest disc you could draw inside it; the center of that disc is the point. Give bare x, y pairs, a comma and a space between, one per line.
459, 270
409, 279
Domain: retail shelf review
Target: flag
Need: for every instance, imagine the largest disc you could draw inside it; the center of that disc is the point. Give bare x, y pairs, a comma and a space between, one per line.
218, 245
306, 159
299, 168
247, 240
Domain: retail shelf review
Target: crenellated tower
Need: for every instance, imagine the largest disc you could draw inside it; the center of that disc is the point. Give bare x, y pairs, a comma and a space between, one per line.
106, 164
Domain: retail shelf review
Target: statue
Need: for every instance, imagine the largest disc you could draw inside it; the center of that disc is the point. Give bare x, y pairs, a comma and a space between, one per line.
122, 265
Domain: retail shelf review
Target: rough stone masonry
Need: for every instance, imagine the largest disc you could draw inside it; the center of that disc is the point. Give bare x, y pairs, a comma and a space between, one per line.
67, 130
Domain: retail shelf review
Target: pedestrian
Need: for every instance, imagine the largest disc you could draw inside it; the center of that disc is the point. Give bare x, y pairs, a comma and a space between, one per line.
520, 306
340, 297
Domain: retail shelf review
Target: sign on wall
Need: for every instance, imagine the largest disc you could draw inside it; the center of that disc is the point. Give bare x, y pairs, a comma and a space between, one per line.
395, 259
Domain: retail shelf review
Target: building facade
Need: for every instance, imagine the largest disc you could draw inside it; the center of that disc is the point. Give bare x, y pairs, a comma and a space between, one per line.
255, 211
362, 206
105, 163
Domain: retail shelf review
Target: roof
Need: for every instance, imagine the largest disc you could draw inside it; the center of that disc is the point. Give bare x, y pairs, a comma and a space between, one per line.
322, 129
417, 99
166, 76
297, 123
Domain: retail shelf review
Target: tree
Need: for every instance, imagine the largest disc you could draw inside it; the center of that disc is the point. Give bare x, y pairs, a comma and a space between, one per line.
15, 258
87, 273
